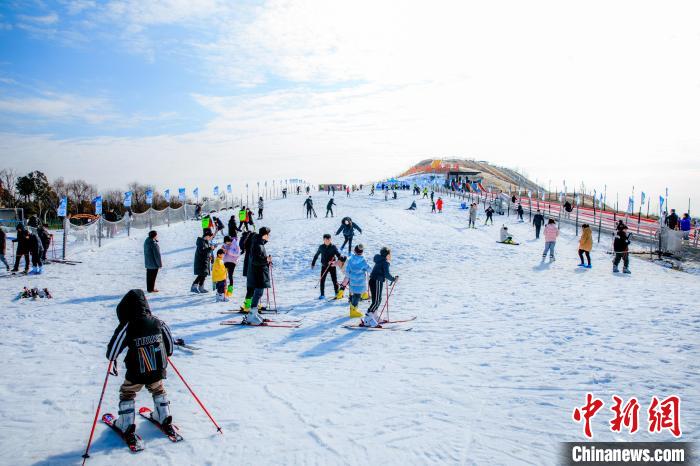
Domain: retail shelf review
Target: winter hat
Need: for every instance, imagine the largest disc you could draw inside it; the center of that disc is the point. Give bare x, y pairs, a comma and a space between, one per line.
385, 251
359, 249
264, 231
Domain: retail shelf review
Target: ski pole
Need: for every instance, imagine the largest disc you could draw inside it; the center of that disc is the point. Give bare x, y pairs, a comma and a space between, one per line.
195, 396
97, 413
274, 296
323, 275
386, 304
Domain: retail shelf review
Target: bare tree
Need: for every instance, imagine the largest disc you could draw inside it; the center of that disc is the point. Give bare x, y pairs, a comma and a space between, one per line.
8, 180
81, 192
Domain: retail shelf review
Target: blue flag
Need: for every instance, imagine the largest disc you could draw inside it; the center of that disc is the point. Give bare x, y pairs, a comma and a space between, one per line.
196, 193
98, 205
63, 207
149, 196
166, 194
216, 190
228, 189
181, 194
127, 199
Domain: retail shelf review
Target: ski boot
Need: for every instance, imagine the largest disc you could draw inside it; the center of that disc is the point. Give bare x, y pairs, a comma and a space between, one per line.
201, 289
253, 318
229, 290
340, 294
354, 312
219, 297
365, 296
626, 270
615, 269
161, 411
369, 320
194, 289
321, 297
125, 421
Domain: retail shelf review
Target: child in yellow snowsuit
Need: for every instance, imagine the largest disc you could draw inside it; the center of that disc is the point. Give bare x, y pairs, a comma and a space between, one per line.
218, 276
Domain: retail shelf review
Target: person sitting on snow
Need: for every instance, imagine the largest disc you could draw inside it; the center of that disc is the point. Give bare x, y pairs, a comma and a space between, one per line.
413, 206
506, 237
148, 342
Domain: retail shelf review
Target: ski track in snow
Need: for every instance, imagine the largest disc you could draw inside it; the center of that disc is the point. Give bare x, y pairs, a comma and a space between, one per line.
503, 349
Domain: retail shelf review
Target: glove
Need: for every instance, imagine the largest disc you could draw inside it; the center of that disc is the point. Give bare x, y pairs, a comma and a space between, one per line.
114, 370
396, 277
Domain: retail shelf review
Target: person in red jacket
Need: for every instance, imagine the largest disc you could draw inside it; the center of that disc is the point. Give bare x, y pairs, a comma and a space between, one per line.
439, 205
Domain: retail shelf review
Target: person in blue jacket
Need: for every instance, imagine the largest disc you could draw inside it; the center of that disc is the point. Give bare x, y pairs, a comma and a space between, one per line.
685, 226
380, 273
356, 271
348, 227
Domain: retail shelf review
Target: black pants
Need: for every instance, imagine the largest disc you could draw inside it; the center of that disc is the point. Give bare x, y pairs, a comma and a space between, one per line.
329, 210
489, 217
520, 215
308, 212
348, 241
622, 256
249, 292
230, 267
581, 252
151, 275
46, 250
19, 256
199, 280
36, 260
537, 231
375, 291
260, 214
334, 279
221, 287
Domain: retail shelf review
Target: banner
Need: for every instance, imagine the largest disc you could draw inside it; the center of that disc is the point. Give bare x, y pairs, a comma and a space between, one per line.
644, 196
542, 195
216, 190
661, 205
98, 205
196, 193
166, 194
630, 205
149, 196
127, 199
228, 189
63, 207
181, 194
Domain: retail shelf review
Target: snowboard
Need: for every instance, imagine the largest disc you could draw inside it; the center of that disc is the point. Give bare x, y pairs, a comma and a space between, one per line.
136, 447
174, 437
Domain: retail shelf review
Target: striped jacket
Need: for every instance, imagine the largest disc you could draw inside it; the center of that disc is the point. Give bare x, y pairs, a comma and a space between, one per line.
147, 339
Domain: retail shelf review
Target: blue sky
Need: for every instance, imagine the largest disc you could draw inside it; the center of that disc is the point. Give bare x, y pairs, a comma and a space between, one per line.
217, 92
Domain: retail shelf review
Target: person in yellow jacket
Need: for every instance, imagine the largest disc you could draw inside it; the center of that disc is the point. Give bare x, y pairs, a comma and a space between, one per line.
585, 245
218, 276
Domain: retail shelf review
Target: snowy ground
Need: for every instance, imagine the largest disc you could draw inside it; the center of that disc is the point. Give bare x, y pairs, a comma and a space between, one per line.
503, 349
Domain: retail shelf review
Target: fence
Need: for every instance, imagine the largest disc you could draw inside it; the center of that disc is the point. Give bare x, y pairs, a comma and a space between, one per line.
645, 230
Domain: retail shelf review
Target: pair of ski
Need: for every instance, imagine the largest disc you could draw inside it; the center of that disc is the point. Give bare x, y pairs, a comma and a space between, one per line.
136, 443
392, 325
266, 323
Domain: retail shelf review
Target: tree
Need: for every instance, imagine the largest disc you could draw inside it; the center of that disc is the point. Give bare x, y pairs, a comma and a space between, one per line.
36, 191
81, 193
8, 179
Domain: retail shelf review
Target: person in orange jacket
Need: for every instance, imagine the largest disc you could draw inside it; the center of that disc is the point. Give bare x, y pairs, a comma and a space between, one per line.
439, 205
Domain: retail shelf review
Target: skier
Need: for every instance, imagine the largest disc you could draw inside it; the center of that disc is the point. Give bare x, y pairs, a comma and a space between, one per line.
538, 221
207, 223
218, 276
356, 270
432, 195
36, 250
329, 207
433, 209
309, 204
672, 220
148, 342
308, 189
585, 245
347, 227
506, 237
258, 276
568, 208
232, 252
413, 206
3, 245
249, 218
621, 246
439, 205
243, 219
232, 229
328, 253
152, 259
347, 191
45, 238
472, 215
246, 244
284, 193
489, 215
371, 190
425, 193
513, 199
520, 212
260, 208
550, 239
298, 190
201, 261
22, 249
380, 273
219, 226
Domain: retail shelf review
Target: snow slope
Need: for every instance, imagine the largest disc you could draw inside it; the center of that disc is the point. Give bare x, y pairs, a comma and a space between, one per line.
503, 349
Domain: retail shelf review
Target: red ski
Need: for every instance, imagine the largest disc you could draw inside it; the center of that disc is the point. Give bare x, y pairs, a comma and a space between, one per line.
137, 444
174, 436
382, 322
264, 324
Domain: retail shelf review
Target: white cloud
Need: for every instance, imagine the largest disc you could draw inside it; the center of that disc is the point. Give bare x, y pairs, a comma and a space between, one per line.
44, 20
59, 107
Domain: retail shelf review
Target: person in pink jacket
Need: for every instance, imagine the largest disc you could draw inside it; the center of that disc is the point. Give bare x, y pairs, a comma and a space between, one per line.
232, 252
550, 239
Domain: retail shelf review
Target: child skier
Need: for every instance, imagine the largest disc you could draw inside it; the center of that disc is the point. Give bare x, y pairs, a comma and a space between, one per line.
232, 252
550, 239
261, 205
328, 252
341, 264
201, 261
439, 205
621, 246
521, 211
356, 271
243, 219
218, 276
348, 227
489, 215
585, 245
148, 342
506, 237
329, 207
433, 209
380, 273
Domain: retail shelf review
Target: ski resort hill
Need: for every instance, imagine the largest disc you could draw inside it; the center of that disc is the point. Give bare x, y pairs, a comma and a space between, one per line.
503, 348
